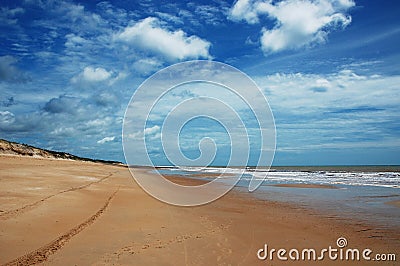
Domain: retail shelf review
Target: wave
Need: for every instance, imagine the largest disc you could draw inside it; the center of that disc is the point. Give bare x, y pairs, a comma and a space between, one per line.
352, 178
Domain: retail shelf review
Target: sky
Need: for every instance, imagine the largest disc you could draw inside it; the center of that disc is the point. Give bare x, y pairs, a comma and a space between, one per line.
330, 70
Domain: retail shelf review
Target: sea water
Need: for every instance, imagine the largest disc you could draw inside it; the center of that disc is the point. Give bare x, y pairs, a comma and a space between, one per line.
362, 193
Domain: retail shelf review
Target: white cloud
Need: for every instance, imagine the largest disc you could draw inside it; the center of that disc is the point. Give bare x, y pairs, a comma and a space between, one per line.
298, 23
95, 74
63, 131
106, 139
135, 136
153, 133
91, 74
151, 130
99, 123
150, 35
74, 41
244, 10
6, 118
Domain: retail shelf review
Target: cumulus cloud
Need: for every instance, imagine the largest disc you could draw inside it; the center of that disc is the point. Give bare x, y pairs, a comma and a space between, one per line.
62, 104
95, 74
91, 74
6, 118
151, 130
153, 133
15, 124
106, 139
244, 10
151, 36
298, 23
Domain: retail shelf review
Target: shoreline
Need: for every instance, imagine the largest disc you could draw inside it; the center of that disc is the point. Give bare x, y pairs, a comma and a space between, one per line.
309, 168
317, 209
298, 185
55, 197
395, 203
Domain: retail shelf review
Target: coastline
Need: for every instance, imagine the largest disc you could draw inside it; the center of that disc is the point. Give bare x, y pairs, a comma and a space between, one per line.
395, 203
71, 212
306, 186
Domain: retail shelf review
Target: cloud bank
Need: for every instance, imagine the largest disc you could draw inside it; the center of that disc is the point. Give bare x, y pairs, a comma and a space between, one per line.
342, 109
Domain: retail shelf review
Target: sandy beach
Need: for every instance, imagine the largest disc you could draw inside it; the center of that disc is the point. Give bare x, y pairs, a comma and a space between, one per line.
63, 212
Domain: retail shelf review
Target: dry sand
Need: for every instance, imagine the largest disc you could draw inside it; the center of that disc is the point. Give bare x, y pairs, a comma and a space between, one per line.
60, 212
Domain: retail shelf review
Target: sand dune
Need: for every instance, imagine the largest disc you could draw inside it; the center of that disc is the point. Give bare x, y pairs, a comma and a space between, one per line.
14, 148
60, 212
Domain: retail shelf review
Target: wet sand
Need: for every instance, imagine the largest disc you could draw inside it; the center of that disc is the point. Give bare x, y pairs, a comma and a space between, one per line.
59, 212
394, 203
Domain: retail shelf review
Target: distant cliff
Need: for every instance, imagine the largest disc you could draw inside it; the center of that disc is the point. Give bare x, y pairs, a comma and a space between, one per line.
13, 148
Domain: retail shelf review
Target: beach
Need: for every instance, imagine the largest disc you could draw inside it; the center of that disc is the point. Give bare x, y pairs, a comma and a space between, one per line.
64, 212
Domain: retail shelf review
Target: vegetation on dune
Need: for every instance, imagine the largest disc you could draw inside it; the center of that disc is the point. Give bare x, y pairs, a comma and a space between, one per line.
14, 148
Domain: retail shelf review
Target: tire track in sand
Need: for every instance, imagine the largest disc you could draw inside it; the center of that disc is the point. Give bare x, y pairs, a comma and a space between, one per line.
42, 254
12, 213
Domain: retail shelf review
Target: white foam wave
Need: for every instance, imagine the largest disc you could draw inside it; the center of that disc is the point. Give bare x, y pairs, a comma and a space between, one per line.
381, 179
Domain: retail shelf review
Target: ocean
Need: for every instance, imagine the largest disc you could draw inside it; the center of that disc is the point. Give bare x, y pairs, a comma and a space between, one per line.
368, 194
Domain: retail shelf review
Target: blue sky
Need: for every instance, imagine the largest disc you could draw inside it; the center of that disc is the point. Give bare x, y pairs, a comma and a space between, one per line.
329, 68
